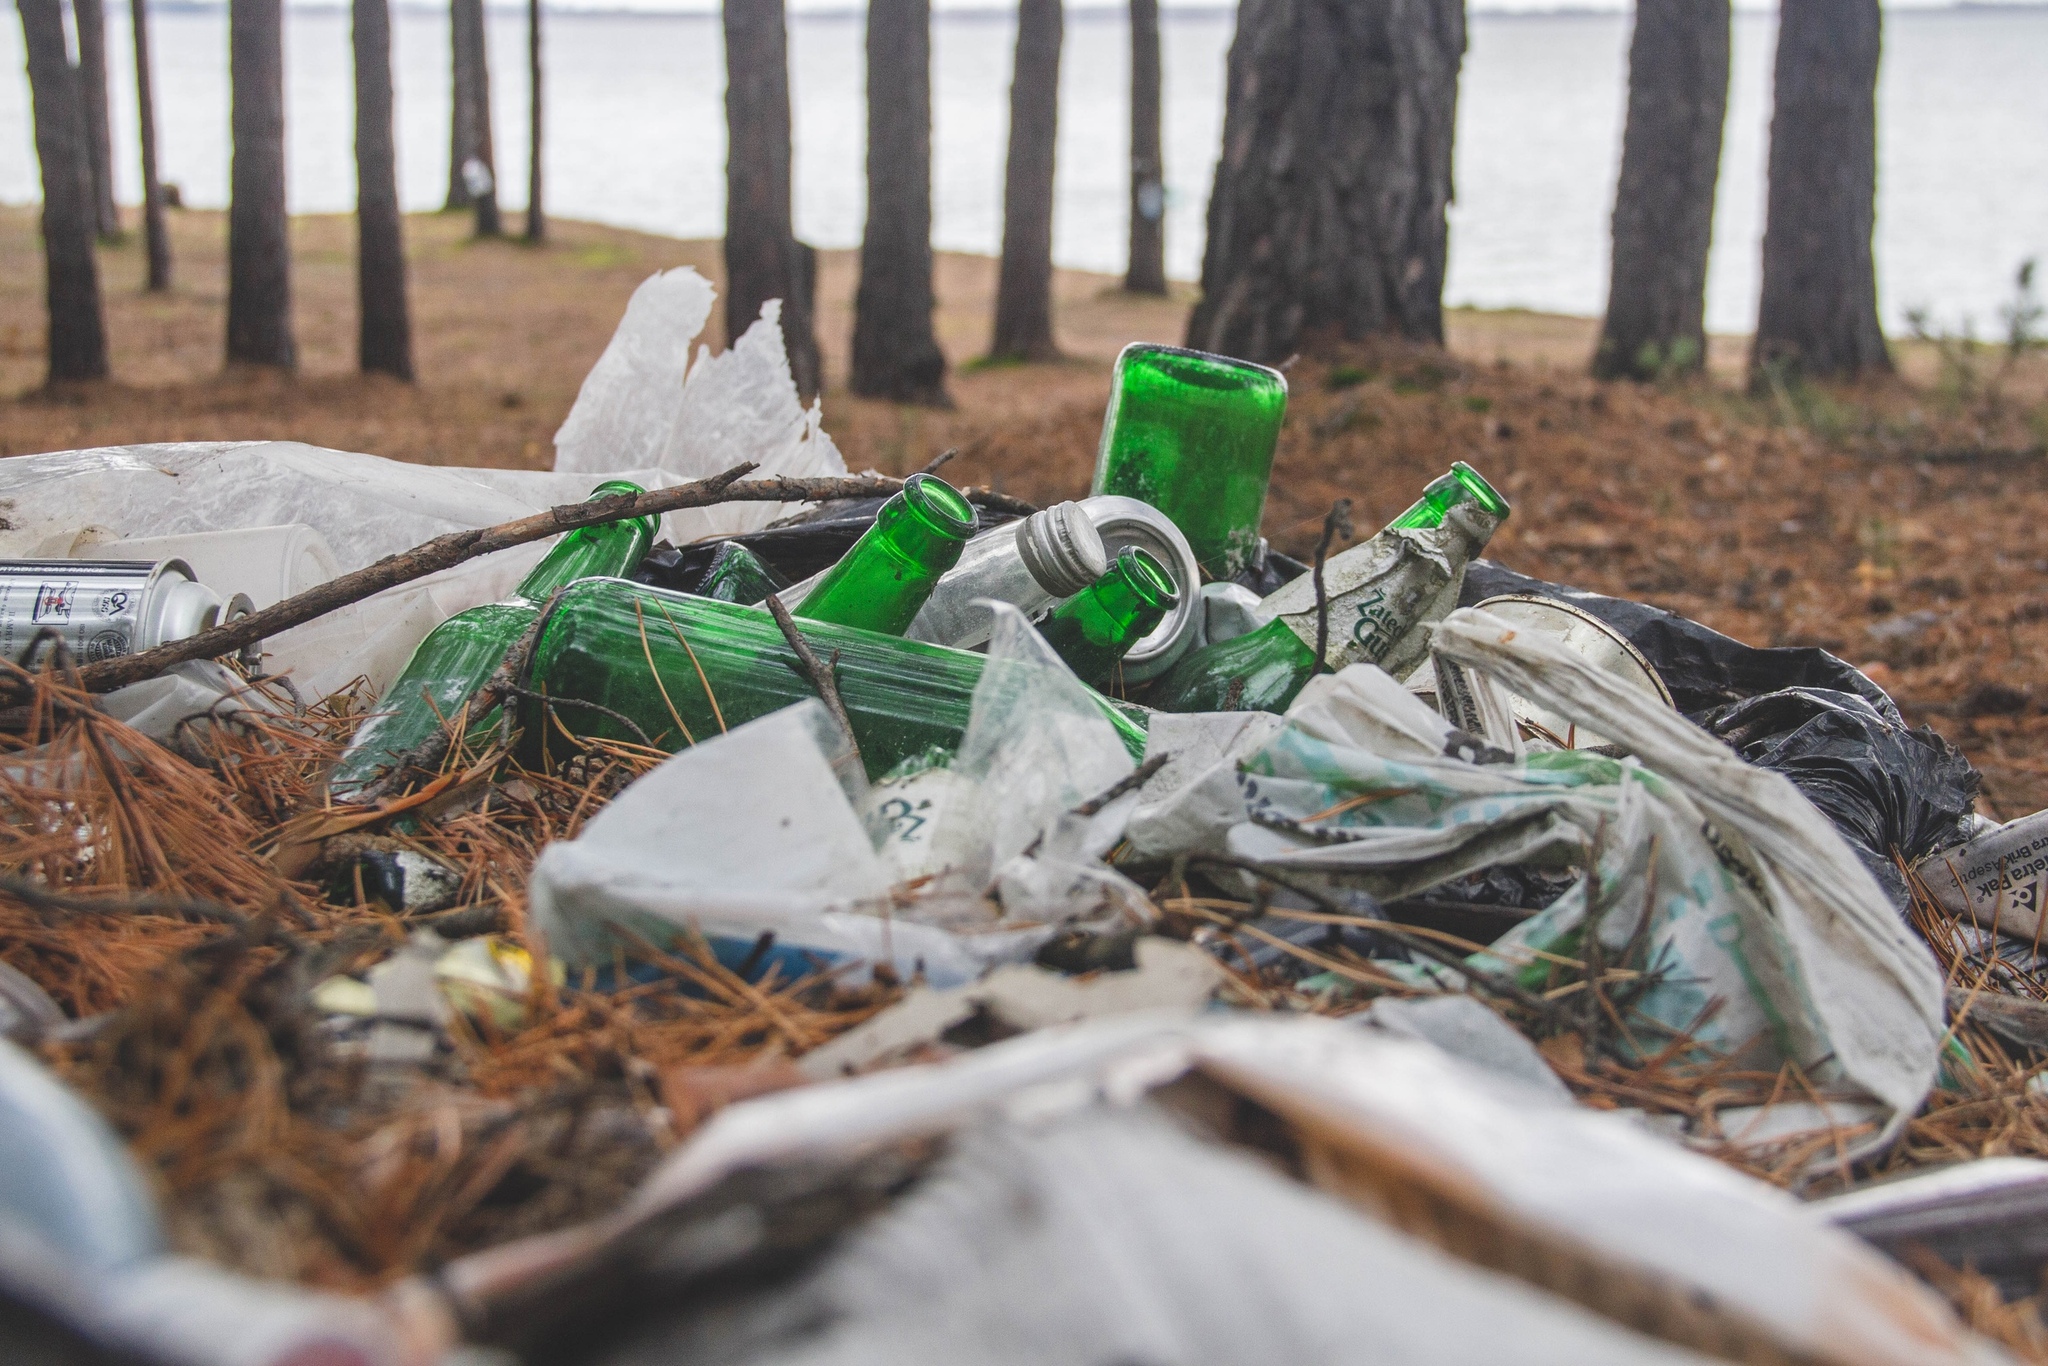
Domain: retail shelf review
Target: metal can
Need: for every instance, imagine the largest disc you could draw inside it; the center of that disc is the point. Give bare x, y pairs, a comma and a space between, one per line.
102, 609
1127, 522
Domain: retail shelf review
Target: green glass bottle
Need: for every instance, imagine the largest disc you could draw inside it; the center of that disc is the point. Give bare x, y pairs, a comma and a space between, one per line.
880, 584
737, 574
1377, 592
460, 654
1093, 630
715, 665
1193, 435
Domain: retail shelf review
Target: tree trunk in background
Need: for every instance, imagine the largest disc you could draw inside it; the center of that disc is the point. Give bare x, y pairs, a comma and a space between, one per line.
1664, 203
259, 242
156, 234
384, 340
895, 354
1818, 315
1327, 215
1147, 271
469, 124
78, 335
91, 16
1023, 328
536, 214
761, 254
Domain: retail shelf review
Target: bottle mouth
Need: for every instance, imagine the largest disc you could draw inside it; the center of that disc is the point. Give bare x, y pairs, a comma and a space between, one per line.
940, 506
1147, 577
611, 488
1482, 492
1203, 369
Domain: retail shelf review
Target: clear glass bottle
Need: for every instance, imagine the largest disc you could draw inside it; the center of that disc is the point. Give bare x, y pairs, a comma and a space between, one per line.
716, 665
460, 654
1193, 435
880, 584
1377, 591
1093, 630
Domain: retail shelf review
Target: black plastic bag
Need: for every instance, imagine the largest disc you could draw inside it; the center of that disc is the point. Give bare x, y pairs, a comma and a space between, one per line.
1887, 788
1703, 668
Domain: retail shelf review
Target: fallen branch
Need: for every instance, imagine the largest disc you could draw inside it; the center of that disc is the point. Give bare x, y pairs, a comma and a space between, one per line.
445, 552
820, 674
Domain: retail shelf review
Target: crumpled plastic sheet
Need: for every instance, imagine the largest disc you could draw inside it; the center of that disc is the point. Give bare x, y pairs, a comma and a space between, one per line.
1752, 896
1890, 790
640, 406
1640, 1220
363, 506
772, 828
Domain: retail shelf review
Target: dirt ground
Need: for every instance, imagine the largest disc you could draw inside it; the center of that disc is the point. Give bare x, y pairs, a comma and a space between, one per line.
1896, 522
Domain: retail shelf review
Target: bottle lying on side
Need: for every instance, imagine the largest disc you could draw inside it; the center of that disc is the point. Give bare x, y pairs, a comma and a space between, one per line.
880, 584
1377, 593
623, 661
460, 654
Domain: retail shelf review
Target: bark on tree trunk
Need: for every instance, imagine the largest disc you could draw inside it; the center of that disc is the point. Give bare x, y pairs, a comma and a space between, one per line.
1664, 202
1147, 271
1023, 329
536, 215
470, 119
91, 17
1818, 315
895, 354
1328, 213
71, 279
156, 233
384, 338
259, 243
761, 254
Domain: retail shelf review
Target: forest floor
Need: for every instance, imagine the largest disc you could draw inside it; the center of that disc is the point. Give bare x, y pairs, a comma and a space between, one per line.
1898, 522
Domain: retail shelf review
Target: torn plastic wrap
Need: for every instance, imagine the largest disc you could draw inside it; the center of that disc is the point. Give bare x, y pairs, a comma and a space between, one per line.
1891, 791
1752, 898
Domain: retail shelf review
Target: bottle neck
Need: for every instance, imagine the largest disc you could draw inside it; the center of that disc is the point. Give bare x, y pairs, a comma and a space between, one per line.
925, 524
1099, 625
1462, 484
606, 551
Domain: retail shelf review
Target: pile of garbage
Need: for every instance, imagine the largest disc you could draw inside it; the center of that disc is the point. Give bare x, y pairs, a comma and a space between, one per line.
695, 903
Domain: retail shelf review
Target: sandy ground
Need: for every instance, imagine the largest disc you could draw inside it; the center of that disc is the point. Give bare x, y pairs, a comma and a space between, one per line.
1896, 523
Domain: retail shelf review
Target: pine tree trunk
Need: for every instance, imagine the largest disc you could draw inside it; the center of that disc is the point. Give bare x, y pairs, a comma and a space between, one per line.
895, 354
384, 339
1023, 329
156, 233
91, 17
1147, 271
761, 254
470, 119
71, 279
1664, 202
259, 242
1818, 315
536, 214
1328, 212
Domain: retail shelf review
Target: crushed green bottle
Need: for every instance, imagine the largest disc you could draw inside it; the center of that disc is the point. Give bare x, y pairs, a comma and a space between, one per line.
623, 661
1193, 435
880, 583
1093, 630
458, 656
1377, 593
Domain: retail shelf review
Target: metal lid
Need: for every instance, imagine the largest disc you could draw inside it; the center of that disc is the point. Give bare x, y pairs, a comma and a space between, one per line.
1061, 549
